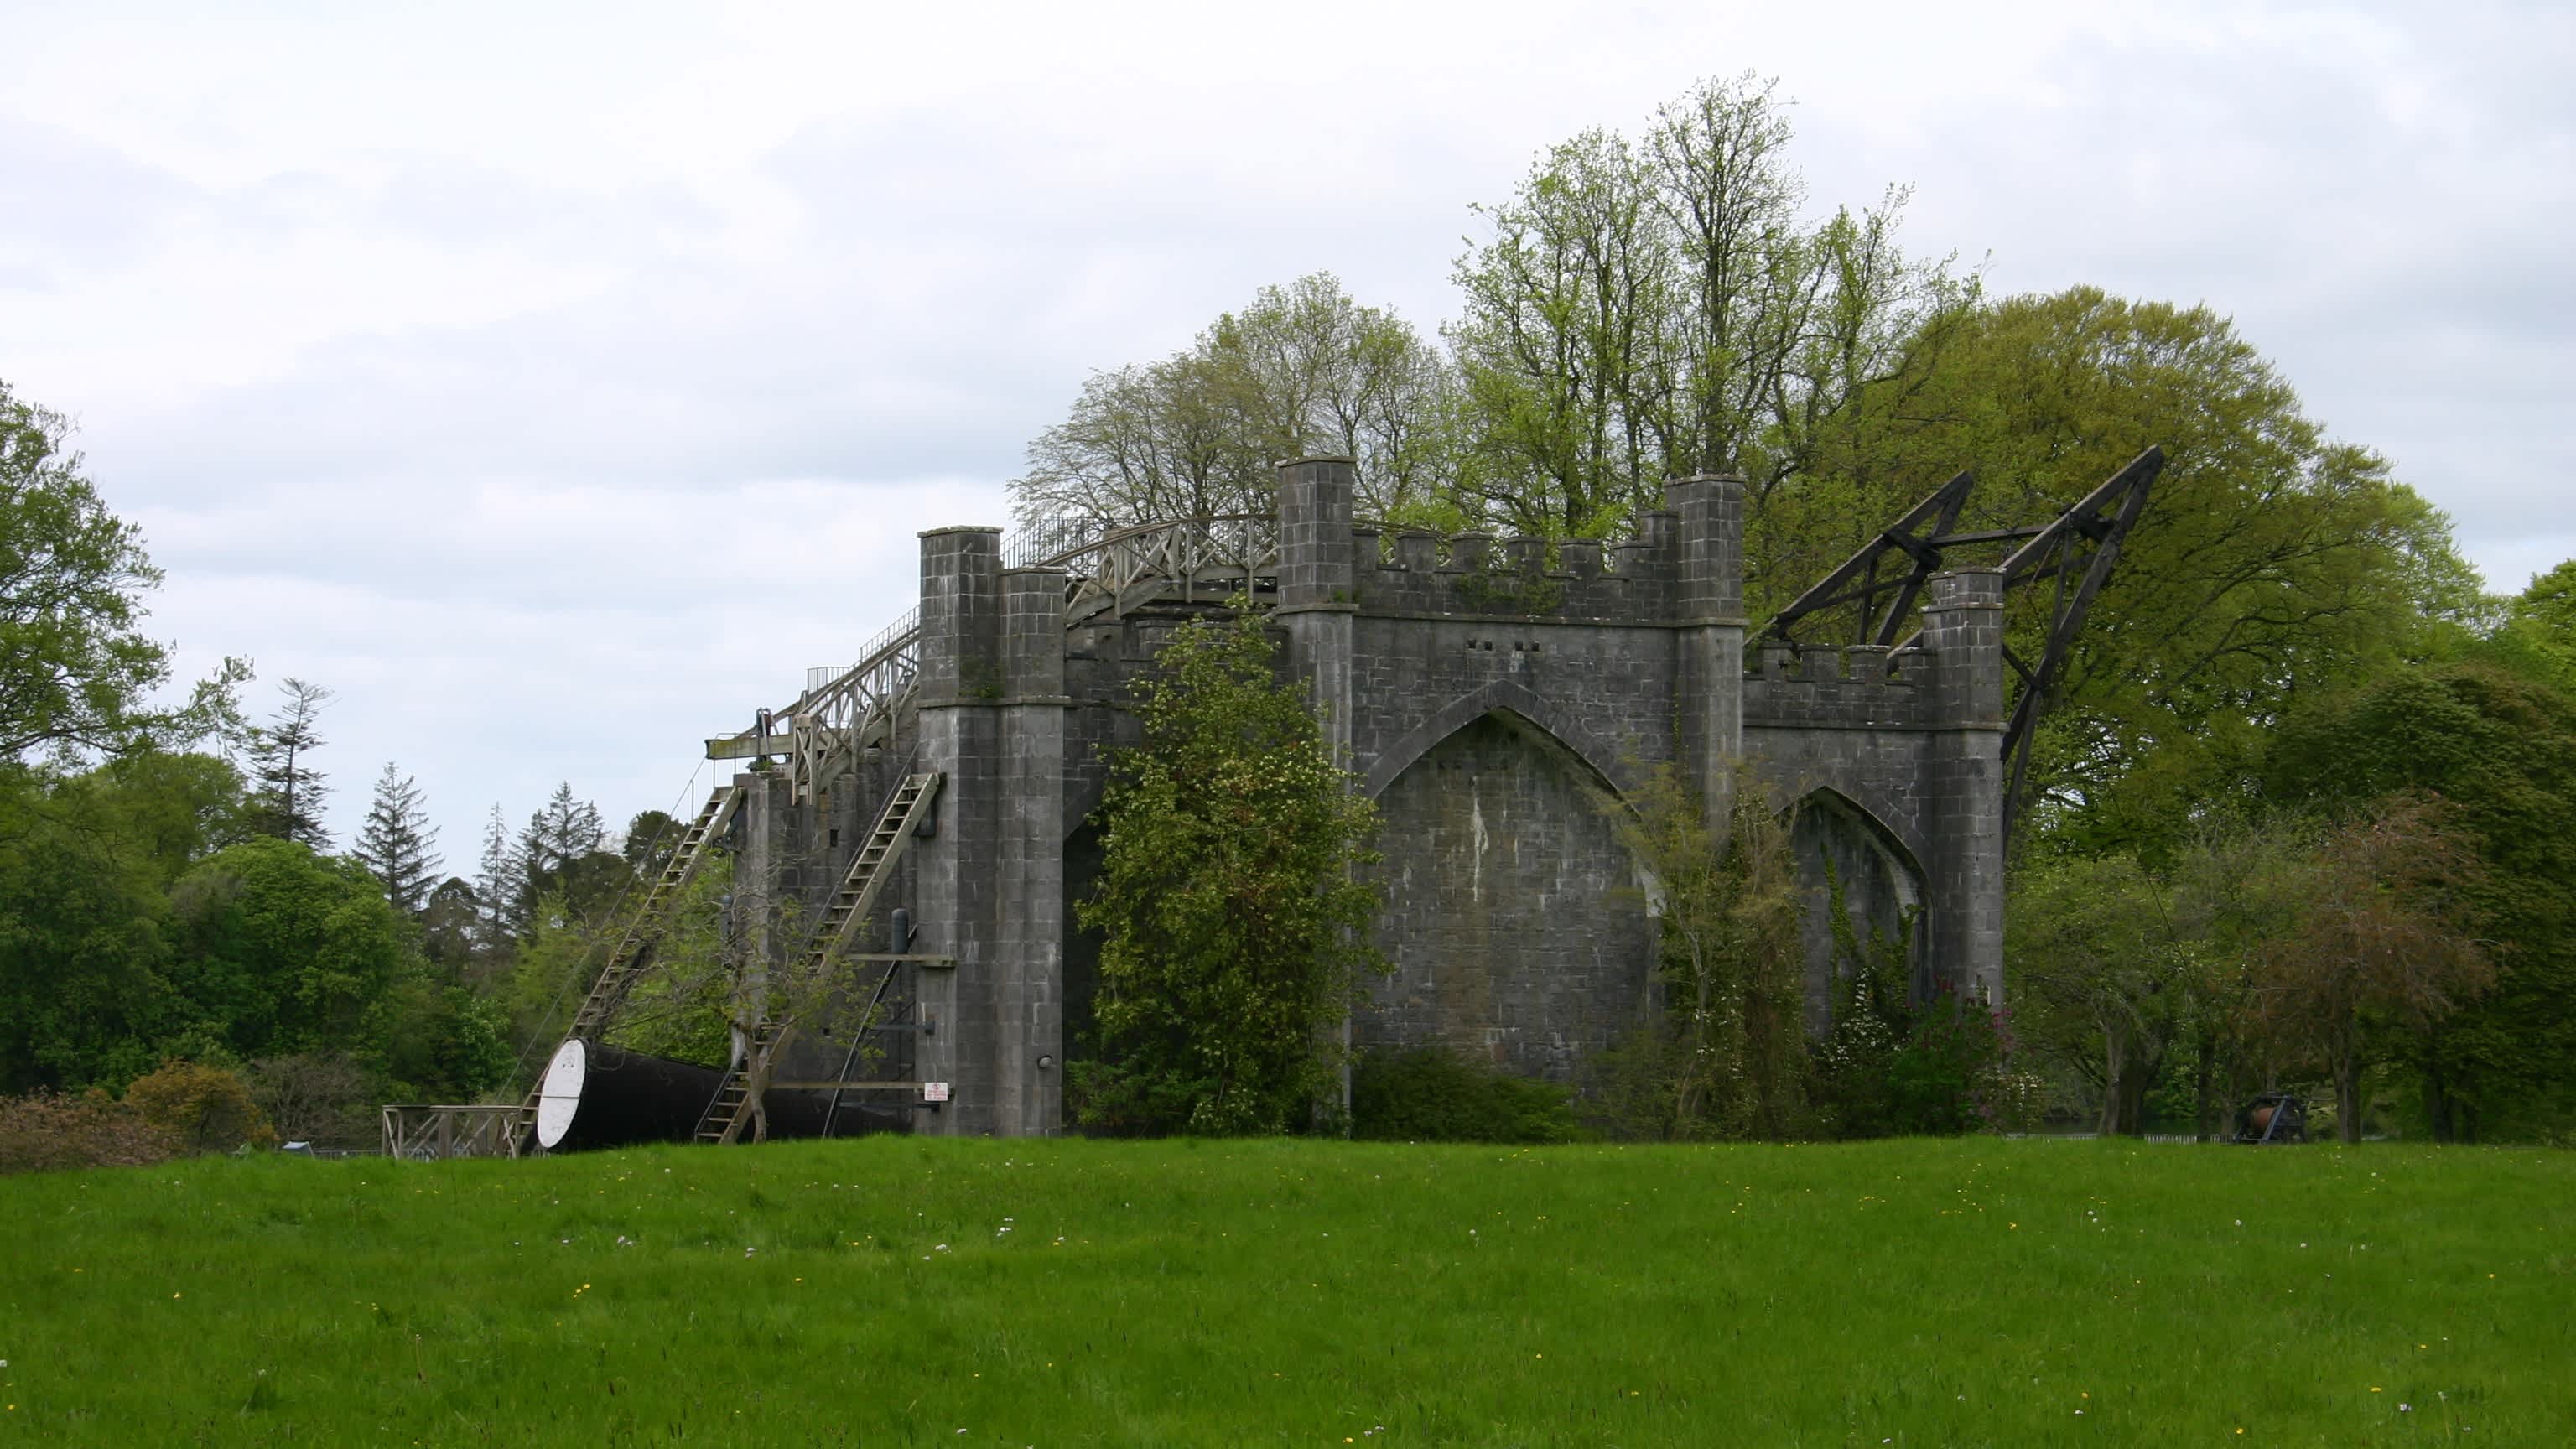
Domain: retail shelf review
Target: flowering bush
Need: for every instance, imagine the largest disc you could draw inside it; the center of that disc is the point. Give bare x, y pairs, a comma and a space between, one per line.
47, 1132
202, 1108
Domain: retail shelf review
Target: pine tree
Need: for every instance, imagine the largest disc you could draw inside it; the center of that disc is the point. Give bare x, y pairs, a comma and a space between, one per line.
562, 832
398, 844
497, 885
287, 792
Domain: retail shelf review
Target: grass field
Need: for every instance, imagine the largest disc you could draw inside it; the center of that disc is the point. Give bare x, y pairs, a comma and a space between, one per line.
896, 1291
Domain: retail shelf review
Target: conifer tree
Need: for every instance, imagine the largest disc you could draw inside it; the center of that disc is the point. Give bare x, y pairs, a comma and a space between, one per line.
496, 884
398, 845
287, 792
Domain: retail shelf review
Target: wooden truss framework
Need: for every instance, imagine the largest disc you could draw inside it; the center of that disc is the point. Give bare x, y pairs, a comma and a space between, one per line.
435, 1133
2074, 553
1106, 571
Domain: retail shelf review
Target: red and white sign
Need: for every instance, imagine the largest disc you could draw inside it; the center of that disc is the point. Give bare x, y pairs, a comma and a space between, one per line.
934, 1091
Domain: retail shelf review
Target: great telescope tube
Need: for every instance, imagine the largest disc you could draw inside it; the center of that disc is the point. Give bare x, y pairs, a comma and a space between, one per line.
596, 1095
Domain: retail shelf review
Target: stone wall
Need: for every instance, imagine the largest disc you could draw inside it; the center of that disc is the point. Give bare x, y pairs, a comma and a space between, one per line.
1515, 922
1493, 697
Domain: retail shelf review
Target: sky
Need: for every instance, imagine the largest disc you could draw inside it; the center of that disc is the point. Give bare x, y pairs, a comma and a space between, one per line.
558, 383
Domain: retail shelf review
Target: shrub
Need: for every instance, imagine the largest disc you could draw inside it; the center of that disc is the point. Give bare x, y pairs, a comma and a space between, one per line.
324, 1098
204, 1108
1431, 1095
47, 1132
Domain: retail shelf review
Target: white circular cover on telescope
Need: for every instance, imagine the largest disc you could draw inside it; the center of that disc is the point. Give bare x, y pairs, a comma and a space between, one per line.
560, 1095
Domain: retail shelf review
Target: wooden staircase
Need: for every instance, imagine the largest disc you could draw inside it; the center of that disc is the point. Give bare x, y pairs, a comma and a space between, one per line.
870, 869
628, 959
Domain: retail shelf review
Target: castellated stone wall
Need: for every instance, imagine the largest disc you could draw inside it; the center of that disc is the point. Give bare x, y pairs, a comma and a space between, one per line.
1497, 701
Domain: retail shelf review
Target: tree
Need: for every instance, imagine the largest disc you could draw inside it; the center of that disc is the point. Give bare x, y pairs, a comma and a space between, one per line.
1564, 341
87, 862
2537, 638
2273, 563
498, 887
287, 794
1231, 910
204, 1108
2500, 752
2386, 941
451, 930
1642, 311
1734, 962
76, 674
398, 845
278, 951
1303, 369
652, 839
2098, 978
560, 837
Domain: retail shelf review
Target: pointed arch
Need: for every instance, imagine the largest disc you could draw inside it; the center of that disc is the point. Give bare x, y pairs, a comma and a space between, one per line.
1860, 798
1500, 696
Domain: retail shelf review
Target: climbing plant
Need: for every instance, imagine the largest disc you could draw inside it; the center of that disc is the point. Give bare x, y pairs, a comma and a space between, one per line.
1730, 1058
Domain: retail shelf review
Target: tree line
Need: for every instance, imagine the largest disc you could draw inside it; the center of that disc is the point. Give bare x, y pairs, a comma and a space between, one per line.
169, 889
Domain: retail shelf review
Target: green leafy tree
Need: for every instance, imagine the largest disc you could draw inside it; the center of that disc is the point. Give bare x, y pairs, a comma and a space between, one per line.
2537, 638
87, 861
444, 1043
77, 675
1233, 917
2500, 752
279, 950
2386, 944
1640, 311
398, 845
652, 838
2274, 563
2098, 978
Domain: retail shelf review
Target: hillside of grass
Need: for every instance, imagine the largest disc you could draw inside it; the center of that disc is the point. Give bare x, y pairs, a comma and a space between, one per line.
901, 1291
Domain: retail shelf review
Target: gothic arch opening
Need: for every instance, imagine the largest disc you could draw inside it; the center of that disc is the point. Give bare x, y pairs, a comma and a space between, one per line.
1844, 851
1515, 922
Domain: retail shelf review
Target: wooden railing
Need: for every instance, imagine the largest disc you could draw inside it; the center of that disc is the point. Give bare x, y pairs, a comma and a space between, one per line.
428, 1134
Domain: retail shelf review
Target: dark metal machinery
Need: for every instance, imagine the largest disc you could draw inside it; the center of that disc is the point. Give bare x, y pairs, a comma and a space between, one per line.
2074, 553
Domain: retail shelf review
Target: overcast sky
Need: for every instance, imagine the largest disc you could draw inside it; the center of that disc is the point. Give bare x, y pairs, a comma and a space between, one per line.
557, 383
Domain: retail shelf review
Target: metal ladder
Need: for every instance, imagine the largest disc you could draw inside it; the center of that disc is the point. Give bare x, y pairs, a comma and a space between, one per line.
641, 932
723, 1121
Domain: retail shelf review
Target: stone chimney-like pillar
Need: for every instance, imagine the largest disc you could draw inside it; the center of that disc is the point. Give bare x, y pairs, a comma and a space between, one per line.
957, 879
1027, 972
1317, 589
1963, 803
1318, 595
1707, 554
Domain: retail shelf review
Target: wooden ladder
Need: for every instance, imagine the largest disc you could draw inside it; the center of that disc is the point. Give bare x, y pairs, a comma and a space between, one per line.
870, 869
626, 961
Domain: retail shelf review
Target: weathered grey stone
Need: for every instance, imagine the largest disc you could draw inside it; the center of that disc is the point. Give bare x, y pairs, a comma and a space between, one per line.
1497, 712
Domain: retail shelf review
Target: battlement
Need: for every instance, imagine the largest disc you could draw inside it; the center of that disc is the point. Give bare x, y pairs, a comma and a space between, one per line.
1856, 686
1423, 573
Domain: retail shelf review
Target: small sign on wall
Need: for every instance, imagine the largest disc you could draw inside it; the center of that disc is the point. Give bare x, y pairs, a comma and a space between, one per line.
934, 1091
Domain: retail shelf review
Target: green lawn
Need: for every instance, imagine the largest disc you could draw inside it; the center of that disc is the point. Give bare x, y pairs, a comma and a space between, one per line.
894, 1291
